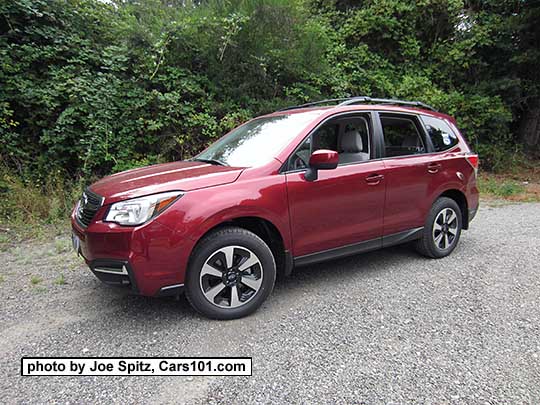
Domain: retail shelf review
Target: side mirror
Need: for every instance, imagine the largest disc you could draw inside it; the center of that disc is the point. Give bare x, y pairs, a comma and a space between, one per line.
322, 159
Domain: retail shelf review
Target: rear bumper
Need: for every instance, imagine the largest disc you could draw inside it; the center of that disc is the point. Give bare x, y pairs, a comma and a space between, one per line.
150, 260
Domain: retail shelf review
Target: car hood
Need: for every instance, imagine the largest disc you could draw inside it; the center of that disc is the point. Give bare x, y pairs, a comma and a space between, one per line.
184, 176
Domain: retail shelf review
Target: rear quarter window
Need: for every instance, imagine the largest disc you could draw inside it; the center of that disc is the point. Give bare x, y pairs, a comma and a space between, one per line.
441, 135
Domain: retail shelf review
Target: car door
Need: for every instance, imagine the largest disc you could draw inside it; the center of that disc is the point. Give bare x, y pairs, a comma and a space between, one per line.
409, 173
344, 206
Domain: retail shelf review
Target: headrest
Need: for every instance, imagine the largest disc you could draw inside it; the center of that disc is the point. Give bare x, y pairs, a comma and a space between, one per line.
351, 142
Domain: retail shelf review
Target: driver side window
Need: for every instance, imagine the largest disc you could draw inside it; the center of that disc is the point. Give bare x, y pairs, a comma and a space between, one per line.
349, 136
324, 138
300, 158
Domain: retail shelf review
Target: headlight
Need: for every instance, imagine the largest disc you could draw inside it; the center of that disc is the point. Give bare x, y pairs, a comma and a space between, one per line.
139, 210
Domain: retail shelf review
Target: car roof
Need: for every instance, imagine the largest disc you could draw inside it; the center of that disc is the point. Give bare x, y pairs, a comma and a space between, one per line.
331, 110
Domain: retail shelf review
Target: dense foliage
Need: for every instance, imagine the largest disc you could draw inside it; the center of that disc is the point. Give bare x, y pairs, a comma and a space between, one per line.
90, 87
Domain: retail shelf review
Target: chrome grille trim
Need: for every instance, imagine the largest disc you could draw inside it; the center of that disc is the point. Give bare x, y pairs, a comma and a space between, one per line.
89, 205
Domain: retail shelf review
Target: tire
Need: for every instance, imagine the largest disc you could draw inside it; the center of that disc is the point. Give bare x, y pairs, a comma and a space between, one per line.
442, 229
218, 283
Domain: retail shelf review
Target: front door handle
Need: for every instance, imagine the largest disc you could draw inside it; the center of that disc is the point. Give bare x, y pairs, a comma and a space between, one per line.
433, 167
374, 179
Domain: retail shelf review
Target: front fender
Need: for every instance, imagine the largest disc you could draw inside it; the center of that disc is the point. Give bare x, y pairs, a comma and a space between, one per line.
199, 211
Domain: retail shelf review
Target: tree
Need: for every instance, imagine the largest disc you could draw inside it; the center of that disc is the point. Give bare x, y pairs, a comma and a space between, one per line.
91, 87
527, 60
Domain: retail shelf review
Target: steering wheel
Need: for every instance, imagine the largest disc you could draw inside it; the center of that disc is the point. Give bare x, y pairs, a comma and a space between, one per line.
299, 163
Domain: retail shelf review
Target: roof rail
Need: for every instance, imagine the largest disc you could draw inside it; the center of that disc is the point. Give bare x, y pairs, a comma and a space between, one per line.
363, 99
359, 100
331, 100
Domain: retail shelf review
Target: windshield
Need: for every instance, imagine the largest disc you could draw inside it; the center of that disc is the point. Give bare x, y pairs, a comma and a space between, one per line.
258, 141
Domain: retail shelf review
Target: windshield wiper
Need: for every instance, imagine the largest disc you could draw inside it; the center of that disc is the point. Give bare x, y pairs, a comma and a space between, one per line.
211, 161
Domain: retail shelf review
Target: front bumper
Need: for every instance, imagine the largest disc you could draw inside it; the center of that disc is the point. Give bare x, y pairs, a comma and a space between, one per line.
119, 273
151, 259
114, 272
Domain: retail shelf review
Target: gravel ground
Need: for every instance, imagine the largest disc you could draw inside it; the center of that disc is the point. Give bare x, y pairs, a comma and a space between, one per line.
383, 327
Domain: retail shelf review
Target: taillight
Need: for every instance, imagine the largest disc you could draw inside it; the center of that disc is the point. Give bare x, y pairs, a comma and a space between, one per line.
473, 161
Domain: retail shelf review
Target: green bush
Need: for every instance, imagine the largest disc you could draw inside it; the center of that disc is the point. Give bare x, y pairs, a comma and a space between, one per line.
88, 88
29, 201
497, 188
92, 88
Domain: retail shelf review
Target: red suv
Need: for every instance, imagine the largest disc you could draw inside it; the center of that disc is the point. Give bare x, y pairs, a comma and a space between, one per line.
298, 186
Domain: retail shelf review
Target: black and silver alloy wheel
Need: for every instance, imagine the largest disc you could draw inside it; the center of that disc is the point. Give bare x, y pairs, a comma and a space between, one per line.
445, 228
442, 229
231, 276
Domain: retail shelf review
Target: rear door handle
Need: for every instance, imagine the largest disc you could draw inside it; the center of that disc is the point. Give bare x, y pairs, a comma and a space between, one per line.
374, 179
433, 167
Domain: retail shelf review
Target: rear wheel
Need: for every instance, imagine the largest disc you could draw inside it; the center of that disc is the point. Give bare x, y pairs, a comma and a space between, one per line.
442, 229
231, 272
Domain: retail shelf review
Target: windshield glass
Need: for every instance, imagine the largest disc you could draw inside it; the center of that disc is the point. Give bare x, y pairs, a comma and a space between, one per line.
258, 141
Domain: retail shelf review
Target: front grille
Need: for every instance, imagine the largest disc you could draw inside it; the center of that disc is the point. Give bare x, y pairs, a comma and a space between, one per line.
89, 204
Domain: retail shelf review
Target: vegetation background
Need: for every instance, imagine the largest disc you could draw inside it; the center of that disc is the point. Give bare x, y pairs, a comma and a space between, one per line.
92, 87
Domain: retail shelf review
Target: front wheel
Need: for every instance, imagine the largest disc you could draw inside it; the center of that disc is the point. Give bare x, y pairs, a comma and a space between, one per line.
442, 229
231, 272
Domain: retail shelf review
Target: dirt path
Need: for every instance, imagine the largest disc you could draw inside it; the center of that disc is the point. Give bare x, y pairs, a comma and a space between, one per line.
383, 327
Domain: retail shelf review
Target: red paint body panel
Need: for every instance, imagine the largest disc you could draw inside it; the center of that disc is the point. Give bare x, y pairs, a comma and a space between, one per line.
156, 254
412, 189
173, 176
346, 205
261, 197
409, 191
340, 208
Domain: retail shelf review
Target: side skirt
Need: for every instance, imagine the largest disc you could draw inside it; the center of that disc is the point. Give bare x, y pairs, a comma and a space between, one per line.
361, 247
402, 237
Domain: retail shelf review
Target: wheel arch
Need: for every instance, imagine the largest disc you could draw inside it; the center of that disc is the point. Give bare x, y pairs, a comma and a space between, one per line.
264, 229
461, 200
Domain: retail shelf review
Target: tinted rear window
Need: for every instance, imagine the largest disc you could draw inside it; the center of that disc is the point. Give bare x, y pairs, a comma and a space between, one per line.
442, 136
401, 136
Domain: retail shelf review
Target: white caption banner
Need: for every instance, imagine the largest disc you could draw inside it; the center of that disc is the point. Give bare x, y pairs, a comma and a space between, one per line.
136, 366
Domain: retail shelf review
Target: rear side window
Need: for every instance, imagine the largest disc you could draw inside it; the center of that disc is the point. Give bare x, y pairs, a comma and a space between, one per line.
442, 137
401, 136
